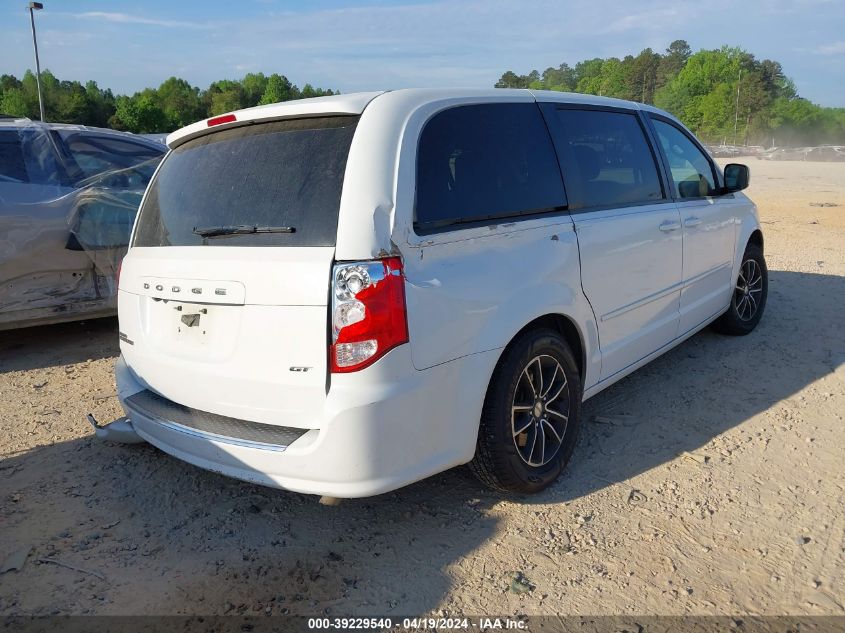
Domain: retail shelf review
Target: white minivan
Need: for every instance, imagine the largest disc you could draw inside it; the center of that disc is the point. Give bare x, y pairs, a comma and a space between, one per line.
344, 295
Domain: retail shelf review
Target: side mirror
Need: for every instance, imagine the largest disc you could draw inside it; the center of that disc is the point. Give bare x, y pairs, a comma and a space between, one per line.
736, 177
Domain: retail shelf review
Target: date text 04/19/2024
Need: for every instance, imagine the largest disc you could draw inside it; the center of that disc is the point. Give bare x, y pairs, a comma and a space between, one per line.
418, 624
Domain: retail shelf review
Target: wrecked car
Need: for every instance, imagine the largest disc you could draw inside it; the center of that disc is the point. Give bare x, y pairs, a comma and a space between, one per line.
68, 198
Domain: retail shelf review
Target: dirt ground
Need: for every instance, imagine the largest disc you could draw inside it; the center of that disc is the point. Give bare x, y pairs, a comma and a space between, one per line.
709, 482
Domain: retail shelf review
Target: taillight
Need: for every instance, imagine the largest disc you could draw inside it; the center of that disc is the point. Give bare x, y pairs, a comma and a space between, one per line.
368, 312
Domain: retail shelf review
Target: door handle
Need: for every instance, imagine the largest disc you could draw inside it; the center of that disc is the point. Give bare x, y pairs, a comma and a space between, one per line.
692, 221
668, 225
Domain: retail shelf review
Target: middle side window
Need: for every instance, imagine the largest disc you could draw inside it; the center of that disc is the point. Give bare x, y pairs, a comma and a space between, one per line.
607, 160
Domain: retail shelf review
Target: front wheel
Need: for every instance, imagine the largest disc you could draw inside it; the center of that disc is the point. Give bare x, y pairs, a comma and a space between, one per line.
531, 415
749, 297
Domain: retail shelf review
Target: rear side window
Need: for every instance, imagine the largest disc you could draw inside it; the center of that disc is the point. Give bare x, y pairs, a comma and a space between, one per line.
692, 173
283, 175
95, 154
607, 159
482, 162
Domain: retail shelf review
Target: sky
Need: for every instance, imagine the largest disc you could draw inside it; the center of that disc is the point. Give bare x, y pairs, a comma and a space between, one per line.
381, 44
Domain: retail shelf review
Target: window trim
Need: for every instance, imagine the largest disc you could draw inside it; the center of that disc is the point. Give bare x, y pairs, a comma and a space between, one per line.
550, 108
437, 227
443, 226
654, 116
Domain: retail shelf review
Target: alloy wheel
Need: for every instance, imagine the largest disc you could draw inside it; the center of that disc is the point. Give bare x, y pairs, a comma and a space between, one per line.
749, 288
540, 410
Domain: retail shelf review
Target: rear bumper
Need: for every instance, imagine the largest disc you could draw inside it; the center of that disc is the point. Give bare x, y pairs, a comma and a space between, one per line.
379, 429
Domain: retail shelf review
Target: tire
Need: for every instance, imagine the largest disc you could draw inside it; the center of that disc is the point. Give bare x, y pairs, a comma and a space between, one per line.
748, 300
529, 461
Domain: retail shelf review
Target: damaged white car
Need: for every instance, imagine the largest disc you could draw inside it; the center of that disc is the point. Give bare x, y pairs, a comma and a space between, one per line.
344, 295
68, 199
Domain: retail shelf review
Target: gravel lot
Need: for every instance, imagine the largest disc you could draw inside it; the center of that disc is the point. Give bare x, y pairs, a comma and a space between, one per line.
709, 482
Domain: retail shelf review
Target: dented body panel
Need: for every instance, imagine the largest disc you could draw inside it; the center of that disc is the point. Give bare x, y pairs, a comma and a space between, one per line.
64, 226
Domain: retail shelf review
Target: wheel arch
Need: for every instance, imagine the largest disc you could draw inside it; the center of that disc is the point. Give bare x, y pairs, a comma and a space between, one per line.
756, 238
489, 463
749, 233
566, 327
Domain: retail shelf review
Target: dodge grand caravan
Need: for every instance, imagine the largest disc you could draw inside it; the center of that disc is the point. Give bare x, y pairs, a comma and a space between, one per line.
344, 295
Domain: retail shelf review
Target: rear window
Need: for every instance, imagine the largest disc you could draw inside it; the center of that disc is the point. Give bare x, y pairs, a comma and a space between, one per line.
279, 176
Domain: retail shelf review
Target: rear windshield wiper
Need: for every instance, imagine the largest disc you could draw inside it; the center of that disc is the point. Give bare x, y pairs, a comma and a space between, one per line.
240, 229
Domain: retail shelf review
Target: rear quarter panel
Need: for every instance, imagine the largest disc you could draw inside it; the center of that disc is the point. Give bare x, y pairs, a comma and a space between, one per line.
470, 294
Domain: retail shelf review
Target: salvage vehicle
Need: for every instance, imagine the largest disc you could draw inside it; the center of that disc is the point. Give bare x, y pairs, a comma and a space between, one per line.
785, 153
344, 295
68, 199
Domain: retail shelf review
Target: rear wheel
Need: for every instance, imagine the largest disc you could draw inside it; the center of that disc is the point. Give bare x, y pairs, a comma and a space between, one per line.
531, 415
749, 297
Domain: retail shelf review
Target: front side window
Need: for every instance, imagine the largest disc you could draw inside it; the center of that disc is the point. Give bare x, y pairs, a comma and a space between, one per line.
606, 159
691, 171
485, 161
12, 163
27, 156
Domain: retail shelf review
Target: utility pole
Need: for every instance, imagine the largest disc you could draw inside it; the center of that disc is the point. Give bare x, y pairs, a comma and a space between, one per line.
36, 6
747, 128
736, 111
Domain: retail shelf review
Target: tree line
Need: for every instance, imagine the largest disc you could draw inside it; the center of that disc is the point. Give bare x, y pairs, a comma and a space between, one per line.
173, 104
721, 95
